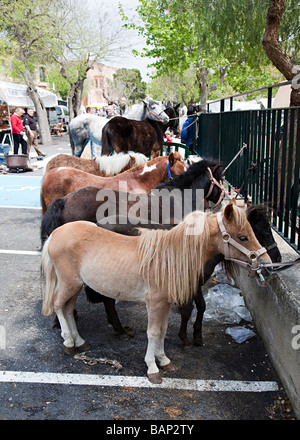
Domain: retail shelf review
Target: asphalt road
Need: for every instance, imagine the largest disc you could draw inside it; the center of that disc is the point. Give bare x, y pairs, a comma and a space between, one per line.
247, 385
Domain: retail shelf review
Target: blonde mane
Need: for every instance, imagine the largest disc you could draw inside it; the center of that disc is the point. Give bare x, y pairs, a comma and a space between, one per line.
176, 257
113, 165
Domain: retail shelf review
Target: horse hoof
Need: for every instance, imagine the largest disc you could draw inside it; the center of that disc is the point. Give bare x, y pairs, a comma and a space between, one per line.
198, 342
84, 347
129, 332
155, 378
169, 367
70, 351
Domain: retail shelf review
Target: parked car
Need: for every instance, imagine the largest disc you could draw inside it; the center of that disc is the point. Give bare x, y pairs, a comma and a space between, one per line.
63, 116
52, 117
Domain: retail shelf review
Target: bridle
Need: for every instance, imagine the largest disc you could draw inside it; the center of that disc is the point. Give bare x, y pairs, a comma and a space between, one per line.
155, 114
255, 268
213, 182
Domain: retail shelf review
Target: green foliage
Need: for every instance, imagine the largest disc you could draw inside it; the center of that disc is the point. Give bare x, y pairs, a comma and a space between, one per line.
215, 34
128, 83
62, 86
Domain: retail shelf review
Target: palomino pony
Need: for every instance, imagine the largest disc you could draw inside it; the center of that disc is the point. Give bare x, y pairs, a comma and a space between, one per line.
146, 136
182, 191
61, 181
105, 166
158, 268
87, 127
259, 219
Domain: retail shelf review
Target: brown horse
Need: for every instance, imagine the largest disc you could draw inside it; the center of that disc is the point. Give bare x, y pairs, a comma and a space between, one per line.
146, 136
61, 181
158, 268
105, 166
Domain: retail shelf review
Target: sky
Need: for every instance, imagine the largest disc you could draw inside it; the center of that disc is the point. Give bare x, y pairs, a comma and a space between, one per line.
128, 60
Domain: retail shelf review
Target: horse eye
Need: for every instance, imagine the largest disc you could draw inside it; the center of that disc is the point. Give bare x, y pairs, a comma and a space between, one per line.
243, 238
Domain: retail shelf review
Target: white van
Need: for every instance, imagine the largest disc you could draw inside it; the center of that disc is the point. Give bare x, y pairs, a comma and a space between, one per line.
63, 115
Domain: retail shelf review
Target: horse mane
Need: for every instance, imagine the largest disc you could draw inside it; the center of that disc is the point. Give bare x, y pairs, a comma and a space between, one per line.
113, 165
150, 162
193, 172
177, 256
261, 209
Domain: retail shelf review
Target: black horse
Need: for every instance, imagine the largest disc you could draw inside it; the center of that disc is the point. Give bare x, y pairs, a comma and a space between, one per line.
146, 136
83, 204
258, 217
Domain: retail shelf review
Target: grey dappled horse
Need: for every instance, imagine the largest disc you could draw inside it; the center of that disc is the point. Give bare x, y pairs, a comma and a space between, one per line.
87, 127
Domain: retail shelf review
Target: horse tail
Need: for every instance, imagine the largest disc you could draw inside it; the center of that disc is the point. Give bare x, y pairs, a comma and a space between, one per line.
107, 147
52, 219
71, 142
43, 203
51, 281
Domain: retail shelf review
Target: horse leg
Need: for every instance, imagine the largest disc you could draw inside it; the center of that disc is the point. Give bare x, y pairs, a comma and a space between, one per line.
80, 344
158, 313
112, 316
164, 361
185, 312
63, 306
200, 304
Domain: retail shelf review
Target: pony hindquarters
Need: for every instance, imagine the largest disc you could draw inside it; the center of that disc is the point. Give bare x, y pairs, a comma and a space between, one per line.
60, 296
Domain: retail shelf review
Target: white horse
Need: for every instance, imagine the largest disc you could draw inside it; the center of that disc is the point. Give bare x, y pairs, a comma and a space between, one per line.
87, 127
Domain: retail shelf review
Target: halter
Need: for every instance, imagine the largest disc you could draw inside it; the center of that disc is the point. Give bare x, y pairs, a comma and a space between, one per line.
252, 255
214, 182
155, 114
169, 171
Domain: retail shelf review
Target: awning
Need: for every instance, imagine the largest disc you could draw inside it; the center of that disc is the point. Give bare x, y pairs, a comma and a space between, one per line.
16, 95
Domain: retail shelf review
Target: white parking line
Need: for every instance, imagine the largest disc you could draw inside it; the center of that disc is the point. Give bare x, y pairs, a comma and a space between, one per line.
138, 382
21, 207
16, 252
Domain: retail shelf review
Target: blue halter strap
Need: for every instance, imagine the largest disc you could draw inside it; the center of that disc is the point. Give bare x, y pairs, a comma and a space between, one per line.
168, 168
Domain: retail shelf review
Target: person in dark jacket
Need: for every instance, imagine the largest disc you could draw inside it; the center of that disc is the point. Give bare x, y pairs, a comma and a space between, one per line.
187, 130
31, 130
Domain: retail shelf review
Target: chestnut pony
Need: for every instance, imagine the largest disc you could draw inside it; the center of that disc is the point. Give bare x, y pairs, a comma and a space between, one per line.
62, 181
160, 267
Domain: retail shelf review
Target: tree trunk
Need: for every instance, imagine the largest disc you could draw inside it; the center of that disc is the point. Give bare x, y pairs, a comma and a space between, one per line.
202, 75
285, 65
281, 60
40, 110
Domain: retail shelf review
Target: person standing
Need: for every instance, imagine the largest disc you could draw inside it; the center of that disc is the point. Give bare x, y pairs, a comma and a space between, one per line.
17, 130
187, 130
31, 130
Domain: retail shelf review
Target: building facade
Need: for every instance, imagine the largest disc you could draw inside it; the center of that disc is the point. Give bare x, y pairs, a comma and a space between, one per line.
96, 84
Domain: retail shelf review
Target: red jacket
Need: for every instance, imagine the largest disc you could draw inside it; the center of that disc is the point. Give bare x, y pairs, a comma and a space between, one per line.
16, 124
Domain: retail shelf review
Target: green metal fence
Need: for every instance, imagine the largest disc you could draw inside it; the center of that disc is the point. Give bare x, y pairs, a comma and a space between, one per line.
268, 165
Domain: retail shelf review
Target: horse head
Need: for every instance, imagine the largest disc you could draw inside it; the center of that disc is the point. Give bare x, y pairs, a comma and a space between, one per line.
259, 218
173, 113
176, 165
155, 112
237, 241
207, 175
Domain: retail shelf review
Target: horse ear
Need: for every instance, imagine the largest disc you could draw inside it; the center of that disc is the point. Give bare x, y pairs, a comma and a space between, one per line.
177, 106
229, 210
252, 215
171, 159
216, 168
145, 102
